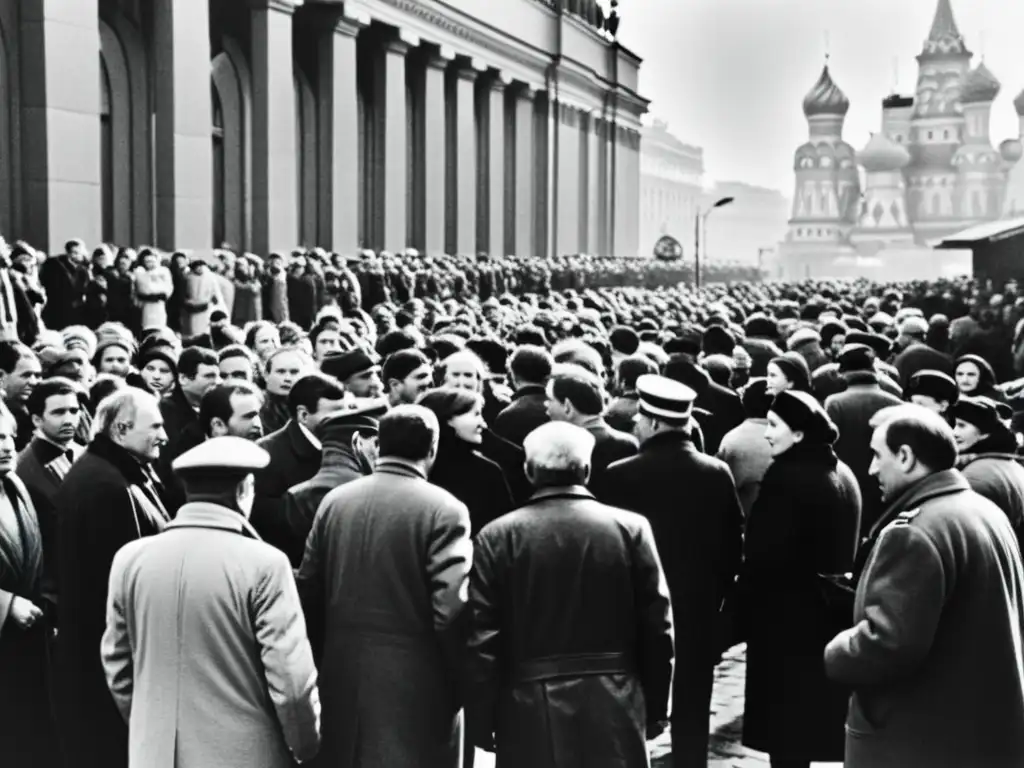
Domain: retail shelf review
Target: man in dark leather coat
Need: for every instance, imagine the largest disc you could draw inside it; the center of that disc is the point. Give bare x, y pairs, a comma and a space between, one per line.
570, 654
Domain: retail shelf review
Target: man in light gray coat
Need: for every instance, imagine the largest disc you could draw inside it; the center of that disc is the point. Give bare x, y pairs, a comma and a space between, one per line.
205, 649
385, 573
934, 656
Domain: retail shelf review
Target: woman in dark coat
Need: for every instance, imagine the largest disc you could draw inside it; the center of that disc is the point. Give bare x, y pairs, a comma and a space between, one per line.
459, 467
803, 524
975, 377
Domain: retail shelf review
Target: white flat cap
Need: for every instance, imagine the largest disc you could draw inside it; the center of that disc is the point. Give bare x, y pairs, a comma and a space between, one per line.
802, 336
234, 455
663, 398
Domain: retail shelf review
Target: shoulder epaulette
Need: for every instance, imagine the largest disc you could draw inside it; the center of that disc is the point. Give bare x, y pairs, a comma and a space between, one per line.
904, 518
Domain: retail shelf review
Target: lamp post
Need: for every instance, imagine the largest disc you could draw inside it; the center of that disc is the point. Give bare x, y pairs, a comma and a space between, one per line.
700, 220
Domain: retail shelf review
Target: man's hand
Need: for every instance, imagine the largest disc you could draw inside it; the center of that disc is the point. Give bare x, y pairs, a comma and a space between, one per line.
25, 613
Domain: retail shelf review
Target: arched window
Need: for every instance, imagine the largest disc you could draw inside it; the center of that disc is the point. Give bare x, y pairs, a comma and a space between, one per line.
106, 156
217, 132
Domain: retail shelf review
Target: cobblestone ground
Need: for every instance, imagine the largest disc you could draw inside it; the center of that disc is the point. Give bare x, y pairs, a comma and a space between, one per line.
724, 749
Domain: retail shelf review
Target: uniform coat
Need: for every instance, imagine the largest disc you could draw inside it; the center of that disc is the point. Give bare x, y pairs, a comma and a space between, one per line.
690, 501
934, 654
527, 411
999, 477
107, 499
851, 411
293, 460
385, 571
804, 523
610, 445
570, 657
27, 730
205, 649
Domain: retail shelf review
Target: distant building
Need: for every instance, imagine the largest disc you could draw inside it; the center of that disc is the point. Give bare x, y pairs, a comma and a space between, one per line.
747, 229
930, 171
671, 185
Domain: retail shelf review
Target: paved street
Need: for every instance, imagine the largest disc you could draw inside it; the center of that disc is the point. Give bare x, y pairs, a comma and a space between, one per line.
725, 750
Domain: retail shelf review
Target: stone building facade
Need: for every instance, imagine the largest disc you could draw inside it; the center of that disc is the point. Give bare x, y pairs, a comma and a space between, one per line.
505, 126
671, 186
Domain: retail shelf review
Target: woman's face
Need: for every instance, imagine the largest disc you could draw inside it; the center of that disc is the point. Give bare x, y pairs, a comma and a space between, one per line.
462, 373
149, 261
327, 342
776, 380
265, 342
967, 377
966, 435
470, 425
779, 436
157, 375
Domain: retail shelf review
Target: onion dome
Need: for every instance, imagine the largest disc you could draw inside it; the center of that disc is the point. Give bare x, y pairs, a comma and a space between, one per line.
1018, 104
825, 98
980, 86
1011, 151
883, 154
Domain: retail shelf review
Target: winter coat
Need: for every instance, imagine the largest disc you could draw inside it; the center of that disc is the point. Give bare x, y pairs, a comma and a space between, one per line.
570, 657
748, 456
205, 648
934, 651
526, 412
248, 307
385, 572
804, 523
275, 298
610, 445
152, 290
202, 294
474, 480
993, 470
65, 284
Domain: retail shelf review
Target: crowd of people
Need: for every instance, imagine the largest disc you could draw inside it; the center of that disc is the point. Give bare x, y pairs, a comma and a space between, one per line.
385, 510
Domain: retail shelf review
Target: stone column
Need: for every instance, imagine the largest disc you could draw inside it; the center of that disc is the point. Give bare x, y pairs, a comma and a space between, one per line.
465, 162
339, 136
275, 181
525, 167
595, 185
434, 150
60, 88
394, 137
496, 167
568, 186
184, 147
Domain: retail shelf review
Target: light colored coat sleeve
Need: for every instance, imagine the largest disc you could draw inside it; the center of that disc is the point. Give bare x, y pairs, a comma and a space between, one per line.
280, 631
904, 591
6, 602
115, 647
449, 557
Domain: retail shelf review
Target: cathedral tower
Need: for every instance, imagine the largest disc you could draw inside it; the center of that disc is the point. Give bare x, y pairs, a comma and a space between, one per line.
937, 125
827, 188
883, 212
980, 175
1011, 150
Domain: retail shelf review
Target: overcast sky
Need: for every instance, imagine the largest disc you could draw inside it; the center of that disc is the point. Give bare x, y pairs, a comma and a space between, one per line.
730, 75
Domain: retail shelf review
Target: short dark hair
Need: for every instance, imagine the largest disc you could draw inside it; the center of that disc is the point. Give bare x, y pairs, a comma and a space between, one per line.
216, 402
237, 350
11, 353
192, 357
256, 327
47, 388
395, 341
105, 385
404, 433
925, 433
326, 323
400, 364
311, 389
531, 364
632, 368
580, 386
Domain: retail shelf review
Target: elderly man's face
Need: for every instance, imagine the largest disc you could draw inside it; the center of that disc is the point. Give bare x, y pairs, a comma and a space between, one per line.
145, 436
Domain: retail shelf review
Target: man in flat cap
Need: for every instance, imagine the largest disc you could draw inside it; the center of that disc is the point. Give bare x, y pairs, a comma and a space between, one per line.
851, 411
348, 440
915, 354
933, 390
553, 678
357, 370
691, 502
202, 622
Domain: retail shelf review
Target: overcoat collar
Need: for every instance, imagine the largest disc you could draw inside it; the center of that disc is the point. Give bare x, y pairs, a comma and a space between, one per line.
527, 390
304, 449
561, 492
395, 466
204, 514
942, 483
675, 438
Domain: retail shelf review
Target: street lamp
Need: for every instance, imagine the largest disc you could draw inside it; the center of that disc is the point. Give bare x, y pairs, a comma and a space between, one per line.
700, 220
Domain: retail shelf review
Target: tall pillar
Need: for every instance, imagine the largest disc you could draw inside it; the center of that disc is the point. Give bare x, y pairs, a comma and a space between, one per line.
545, 152
275, 180
434, 150
61, 130
525, 167
568, 185
339, 136
394, 138
595, 186
465, 160
184, 147
496, 168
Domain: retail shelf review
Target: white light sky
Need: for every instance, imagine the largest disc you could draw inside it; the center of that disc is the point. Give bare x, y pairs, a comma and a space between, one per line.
730, 75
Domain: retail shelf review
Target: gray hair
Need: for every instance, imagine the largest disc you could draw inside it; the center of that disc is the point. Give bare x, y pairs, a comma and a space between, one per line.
119, 407
559, 446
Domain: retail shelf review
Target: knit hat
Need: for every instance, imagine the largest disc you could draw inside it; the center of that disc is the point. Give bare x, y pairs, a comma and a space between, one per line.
802, 336
803, 413
80, 337
112, 341
163, 352
933, 384
856, 357
983, 412
794, 368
